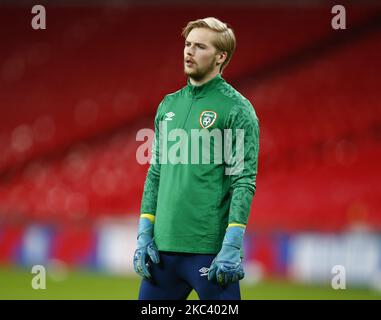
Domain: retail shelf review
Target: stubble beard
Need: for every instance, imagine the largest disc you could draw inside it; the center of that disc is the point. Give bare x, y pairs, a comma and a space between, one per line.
199, 74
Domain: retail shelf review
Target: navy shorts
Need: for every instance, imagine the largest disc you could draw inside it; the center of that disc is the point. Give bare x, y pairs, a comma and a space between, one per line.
178, 273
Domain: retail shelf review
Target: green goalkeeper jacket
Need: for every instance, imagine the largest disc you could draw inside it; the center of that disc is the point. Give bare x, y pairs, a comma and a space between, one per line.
196, 190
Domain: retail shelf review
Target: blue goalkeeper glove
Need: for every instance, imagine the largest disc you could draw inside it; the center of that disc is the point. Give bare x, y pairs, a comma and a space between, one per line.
226, 267
146, 249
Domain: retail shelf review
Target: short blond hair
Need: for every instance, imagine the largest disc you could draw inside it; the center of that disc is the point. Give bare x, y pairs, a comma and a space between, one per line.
224, 41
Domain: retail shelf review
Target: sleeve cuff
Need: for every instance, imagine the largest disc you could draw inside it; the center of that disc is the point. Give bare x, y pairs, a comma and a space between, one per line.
148, 216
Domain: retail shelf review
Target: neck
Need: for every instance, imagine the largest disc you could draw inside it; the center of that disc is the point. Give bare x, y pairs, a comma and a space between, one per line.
208, 77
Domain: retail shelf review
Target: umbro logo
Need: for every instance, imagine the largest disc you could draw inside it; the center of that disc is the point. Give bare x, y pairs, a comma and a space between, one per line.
203, 271
169, 115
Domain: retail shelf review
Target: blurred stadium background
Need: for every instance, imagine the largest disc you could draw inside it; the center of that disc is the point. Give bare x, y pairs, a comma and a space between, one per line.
73, 96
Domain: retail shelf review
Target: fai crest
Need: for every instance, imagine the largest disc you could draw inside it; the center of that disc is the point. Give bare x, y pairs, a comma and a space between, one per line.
207, 118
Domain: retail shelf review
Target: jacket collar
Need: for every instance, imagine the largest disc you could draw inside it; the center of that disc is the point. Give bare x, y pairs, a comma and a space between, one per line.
200, 91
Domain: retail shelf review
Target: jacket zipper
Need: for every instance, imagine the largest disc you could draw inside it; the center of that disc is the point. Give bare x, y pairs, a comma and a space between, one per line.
189, 110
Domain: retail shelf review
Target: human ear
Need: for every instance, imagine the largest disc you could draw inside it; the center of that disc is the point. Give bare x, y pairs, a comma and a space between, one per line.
221, 57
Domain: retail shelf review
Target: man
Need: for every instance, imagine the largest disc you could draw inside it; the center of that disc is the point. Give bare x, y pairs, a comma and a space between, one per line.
193, 214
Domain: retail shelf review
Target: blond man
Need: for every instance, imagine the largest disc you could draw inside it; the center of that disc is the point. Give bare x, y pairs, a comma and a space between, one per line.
194, 214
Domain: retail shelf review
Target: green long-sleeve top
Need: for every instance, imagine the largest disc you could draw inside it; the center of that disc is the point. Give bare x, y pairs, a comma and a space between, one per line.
195, 191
